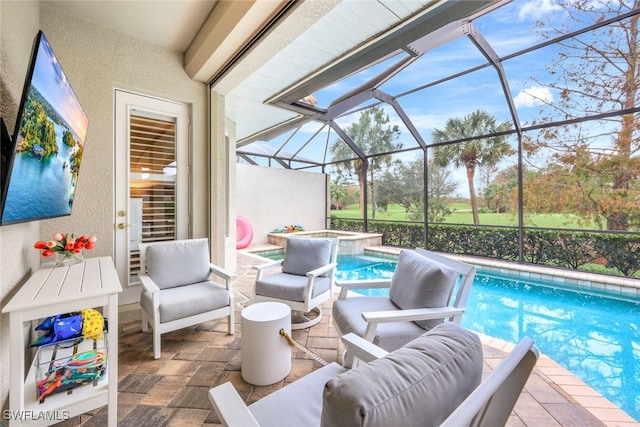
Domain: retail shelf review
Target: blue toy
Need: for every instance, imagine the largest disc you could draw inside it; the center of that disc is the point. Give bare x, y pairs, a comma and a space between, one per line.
58, 328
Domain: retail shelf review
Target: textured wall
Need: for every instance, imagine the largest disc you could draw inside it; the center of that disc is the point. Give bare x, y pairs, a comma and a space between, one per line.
96, 61
270, 198
18, 28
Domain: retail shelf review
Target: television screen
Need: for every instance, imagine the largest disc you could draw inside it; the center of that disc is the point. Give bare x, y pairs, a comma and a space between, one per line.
48, 140
6, 150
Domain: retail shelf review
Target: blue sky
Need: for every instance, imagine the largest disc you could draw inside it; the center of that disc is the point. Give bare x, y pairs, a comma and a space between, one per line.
52, 83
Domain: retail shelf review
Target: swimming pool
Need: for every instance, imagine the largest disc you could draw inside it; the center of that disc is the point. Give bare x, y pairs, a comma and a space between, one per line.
594, 337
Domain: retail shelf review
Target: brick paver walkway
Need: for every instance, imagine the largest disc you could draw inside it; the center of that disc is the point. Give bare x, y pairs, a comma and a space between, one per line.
172, 391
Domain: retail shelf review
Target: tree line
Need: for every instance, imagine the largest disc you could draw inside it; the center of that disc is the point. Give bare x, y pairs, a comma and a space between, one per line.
587, 169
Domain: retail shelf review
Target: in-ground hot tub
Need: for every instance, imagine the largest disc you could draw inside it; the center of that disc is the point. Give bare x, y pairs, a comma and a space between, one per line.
350, 242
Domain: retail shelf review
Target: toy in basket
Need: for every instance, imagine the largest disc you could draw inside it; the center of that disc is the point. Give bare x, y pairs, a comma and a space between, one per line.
64, 364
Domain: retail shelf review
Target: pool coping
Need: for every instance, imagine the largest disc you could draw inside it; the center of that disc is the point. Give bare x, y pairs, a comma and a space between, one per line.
572, 387
623, 287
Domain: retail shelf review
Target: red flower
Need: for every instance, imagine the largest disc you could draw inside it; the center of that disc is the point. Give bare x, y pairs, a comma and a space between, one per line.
65, 244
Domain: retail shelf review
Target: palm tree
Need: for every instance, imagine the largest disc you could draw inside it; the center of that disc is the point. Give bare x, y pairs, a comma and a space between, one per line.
372, 136
338, 191
481, 151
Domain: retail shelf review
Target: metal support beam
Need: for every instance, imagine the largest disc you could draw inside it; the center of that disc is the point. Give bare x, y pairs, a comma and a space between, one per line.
437, 38
275, 131
425, 195
286, 142
485, 48
308, 142
348, 102
432, 17
282, 163
247, 159
347, 139
385, 97
483, 45
365, 165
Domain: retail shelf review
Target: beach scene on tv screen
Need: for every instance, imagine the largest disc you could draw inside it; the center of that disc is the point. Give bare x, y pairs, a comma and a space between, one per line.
49, 146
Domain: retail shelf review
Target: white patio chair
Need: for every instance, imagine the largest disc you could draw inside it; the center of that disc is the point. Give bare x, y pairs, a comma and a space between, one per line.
178, 290
419, 384
492, 402
426, 289
425, 383
304, 279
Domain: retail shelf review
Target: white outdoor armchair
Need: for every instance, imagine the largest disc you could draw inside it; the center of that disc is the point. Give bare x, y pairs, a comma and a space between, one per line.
426, 289
178, 290
425, 380
303, 279
432, 381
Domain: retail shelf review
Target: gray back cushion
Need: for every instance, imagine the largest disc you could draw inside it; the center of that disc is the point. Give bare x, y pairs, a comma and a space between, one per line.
178, 263
305, 254
419, 384
419, 282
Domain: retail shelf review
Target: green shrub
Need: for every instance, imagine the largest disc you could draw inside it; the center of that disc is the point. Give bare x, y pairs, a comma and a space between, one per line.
617, 253
621, 252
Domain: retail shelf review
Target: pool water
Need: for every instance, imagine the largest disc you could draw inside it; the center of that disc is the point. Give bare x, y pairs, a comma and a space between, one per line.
594, 337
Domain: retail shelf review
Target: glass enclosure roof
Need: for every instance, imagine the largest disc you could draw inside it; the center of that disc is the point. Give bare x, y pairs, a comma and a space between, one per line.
449, 74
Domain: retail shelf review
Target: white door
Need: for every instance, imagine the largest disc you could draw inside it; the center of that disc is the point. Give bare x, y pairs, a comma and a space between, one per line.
151, 176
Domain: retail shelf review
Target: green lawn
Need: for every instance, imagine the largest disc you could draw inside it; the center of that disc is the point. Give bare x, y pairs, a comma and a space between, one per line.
462, 215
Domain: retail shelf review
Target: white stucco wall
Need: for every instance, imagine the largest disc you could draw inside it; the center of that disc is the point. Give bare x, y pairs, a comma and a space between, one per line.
270, 198
18, 27
97, 60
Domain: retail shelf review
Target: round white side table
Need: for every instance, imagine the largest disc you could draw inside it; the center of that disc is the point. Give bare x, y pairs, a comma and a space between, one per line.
265, 356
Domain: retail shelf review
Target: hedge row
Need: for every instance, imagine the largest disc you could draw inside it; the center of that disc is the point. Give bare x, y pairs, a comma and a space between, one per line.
560, 248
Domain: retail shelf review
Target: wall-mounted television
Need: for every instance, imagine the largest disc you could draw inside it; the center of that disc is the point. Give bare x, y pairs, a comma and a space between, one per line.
43, 157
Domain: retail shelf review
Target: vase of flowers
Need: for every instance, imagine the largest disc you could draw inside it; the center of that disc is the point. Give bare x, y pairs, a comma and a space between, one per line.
66, 248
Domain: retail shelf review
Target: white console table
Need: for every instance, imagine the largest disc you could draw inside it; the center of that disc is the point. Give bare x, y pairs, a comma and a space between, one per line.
50, 291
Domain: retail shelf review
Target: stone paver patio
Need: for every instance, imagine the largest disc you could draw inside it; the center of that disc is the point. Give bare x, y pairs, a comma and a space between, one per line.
172, 391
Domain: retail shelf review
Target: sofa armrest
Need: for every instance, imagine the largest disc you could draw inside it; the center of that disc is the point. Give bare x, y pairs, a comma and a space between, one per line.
322, 270
265, 267
362, 349
374, 317
221, 272
231, 409
148, 284
411, 315
268, 266
347, 285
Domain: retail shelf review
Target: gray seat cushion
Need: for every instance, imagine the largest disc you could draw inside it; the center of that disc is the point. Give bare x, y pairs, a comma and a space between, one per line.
418, 385
290, 287
305, 254
297, 404
419, 282
390, 336
178, 263
185, 301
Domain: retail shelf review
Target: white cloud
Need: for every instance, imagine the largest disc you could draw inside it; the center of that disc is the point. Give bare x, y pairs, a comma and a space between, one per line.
533, 96
535, 9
